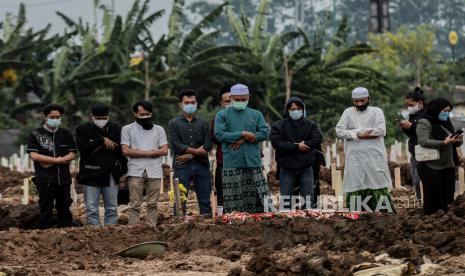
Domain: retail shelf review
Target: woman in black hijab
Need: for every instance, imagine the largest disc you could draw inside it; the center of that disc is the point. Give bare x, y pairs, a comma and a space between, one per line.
435, 131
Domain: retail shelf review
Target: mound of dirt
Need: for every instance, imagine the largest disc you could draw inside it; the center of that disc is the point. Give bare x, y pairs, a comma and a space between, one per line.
20, 216
10, 178
299, 246
291, 246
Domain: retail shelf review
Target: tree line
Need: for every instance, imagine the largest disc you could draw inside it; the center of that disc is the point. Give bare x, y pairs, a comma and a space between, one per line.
125, 63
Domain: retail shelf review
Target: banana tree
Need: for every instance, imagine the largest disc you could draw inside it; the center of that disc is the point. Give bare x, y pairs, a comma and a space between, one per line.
24, 52
328, 72
117, 80
192, 57
264, 67
318, 68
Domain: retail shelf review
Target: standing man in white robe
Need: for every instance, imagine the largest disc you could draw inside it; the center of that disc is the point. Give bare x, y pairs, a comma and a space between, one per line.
367, 180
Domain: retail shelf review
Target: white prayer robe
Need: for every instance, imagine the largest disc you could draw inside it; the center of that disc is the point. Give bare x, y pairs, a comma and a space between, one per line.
366, 164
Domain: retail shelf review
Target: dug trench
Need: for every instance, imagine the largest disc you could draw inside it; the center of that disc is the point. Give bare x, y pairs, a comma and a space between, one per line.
297, 246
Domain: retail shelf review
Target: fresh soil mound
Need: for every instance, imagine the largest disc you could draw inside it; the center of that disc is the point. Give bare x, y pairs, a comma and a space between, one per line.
291, 246
20, 216
10, 178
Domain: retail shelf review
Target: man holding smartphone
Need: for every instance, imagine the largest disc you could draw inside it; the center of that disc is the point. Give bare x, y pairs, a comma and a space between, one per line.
415, 102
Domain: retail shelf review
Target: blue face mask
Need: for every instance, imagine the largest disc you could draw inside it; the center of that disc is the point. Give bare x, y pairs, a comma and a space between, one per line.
189, 108
240, 105
443, 116
296, 114
53, 123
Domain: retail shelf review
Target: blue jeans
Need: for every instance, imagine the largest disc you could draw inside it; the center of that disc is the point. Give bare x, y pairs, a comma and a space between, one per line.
199, 174
110, 203
291, 179
415, 177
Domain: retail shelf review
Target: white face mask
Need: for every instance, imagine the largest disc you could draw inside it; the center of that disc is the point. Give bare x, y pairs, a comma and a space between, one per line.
413, 109
100, 123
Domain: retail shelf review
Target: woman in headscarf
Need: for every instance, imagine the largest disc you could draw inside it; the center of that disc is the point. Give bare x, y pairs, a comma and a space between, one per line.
435, 131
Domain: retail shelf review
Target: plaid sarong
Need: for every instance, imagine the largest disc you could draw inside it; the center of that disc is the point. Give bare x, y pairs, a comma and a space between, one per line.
244, 190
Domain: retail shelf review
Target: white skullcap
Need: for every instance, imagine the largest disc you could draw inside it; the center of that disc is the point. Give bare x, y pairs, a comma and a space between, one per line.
360, 92
239, 90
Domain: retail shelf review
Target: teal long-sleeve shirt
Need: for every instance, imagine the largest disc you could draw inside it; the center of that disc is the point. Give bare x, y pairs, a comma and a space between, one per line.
229, 125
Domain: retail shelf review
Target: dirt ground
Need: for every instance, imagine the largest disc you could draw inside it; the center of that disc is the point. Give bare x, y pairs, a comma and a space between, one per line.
407, 242
11, 181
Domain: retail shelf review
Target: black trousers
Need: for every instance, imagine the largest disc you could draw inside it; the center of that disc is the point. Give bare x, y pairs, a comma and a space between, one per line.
123, 196
58, 196
316, 184
219, 185
438, 187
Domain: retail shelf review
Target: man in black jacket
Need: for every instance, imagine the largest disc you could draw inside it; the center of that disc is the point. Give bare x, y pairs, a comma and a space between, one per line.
102, 164
295, 139
52, 148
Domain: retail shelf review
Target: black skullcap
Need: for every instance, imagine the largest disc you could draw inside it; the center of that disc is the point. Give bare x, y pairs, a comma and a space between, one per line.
100, 110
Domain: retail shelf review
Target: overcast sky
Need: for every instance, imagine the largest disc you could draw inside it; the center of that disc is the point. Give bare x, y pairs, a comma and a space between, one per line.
41, 12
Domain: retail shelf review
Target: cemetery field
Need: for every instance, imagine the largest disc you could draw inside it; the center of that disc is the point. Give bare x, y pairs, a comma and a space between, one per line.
403, 243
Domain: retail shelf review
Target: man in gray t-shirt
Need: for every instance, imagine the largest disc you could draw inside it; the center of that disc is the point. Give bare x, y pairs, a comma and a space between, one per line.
144, 143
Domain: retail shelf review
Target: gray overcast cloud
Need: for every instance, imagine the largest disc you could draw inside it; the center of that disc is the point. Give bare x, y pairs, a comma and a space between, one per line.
41, 12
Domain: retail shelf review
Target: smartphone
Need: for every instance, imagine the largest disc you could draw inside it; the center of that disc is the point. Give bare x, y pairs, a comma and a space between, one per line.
458, 132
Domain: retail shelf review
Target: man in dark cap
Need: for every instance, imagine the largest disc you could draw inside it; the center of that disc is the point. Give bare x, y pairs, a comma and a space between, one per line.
102, 164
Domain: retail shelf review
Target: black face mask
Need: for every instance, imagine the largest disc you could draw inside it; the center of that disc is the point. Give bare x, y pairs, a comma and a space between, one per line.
146, 123
362, 107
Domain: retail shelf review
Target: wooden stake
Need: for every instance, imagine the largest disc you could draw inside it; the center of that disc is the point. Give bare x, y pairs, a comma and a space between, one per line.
213, 195
162, 183
74, 196
333, 175
328, 158
421, 191
393, 156
171, 180
25, 199
461, 180
4, 162
338, 183
213, 203
397, 180
398, 150
11, 163
177, 198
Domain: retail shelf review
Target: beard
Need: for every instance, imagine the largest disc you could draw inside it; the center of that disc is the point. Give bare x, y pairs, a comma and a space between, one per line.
362, 107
